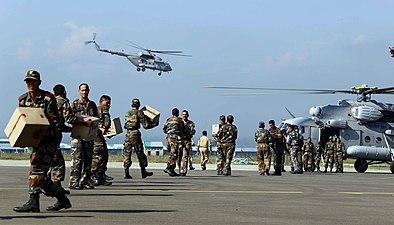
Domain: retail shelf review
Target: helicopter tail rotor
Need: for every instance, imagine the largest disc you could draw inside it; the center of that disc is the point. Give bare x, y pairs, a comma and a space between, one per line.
94, 42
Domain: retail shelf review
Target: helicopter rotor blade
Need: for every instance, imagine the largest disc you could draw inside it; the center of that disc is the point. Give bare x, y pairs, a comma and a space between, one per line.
94, 36
311, 91
134, 45
175, 54
380, 90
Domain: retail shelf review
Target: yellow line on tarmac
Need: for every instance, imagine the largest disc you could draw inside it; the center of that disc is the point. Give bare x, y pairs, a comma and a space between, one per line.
366, 193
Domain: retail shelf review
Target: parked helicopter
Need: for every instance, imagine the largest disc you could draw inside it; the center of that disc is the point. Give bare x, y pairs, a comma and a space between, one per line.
365, 126
142, 60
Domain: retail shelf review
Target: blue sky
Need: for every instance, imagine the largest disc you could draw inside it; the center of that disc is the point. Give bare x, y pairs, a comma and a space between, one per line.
280, 44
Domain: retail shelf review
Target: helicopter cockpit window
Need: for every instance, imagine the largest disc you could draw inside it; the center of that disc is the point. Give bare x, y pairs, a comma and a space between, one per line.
378, 140
367, 139
302, 130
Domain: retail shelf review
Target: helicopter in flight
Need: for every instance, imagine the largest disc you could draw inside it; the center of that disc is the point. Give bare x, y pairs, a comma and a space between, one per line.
365, 126
142, 60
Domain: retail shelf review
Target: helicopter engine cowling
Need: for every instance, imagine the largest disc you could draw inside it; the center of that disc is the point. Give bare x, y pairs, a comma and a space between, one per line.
340, 124
315, 111
368, 153
366, 113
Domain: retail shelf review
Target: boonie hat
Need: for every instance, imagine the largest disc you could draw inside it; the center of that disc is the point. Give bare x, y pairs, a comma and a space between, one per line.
32, 74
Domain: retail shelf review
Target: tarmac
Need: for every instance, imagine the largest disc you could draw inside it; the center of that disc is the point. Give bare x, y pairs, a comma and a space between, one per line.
202, 197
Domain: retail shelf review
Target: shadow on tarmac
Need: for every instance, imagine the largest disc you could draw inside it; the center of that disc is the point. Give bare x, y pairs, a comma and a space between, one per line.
39, 217
120, 195
122, 211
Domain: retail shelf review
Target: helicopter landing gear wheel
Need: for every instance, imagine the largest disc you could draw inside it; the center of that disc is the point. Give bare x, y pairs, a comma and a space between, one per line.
138, 69
392, 167
361, 165
143, 69
159, 74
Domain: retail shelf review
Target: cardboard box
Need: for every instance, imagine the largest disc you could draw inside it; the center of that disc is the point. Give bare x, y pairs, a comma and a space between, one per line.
215, 129
23, 124
115, 129
152, 116
83, 132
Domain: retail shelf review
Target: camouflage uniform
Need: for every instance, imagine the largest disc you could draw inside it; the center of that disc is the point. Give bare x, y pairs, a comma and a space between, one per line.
42, 155
133, 120
340, 151
308, 150
227, 135
319, 154
263, 152
81, 151
58, 167
329, 155
100, 150
174, 127
219, 154
277, 142
294, 143
187, 146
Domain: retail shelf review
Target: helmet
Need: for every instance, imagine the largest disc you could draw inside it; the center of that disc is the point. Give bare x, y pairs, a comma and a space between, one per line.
135, 103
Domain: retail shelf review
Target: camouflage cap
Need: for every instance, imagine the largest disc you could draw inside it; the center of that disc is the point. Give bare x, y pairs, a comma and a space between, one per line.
33, 75
222, 117
261, 123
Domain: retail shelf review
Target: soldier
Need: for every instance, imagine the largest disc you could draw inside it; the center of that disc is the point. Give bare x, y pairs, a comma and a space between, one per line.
319, 154
293, 140
133, 120
391, 51
263, 153
81, 151
329, 153
300, 153
203, 146
100, 150
277, 142
340, 148
228, 135
219, 150
187, 136
42, 155
308, 150
174, 128
66, 116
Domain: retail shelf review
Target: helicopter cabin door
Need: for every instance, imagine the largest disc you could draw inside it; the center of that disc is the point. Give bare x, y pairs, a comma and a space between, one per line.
327, 132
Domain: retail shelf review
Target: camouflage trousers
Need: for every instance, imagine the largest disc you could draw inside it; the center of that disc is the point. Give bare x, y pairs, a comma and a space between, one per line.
279, 158
329, 159
40, 163
294, 154
58, 167
318, 158
133, 140
184, 155
204, 154
219, 158
339, 160
308, 159
263, 157
228, 153
100, 155
81, 162
174, 145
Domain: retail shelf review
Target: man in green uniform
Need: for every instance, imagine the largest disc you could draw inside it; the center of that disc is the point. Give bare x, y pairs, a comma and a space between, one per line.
82, 151
100, 150
319, 155
340, 148
133, 120
219, 150
329, 153
263, 152
185, 154
308, 149
174, 128
227, 135
42, 155
277, 142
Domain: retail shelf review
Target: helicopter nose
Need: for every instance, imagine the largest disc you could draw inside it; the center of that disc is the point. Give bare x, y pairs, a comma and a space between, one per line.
168, 68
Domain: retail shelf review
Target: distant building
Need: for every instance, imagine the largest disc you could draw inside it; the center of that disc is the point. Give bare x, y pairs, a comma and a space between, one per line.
155, 148
5, 147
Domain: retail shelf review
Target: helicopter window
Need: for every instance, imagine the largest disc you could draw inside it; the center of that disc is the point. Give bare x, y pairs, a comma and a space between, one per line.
302, 130
367, 139
378, 140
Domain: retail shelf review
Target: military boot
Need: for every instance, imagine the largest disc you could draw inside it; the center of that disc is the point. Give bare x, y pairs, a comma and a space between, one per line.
95, 179
107, 177
278, 172
127, 174
267, 172
292, 169
62, 203
145, 173
101, 180
32, 205
171, 172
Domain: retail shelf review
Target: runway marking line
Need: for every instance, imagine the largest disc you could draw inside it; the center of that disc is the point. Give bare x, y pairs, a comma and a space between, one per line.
366, 193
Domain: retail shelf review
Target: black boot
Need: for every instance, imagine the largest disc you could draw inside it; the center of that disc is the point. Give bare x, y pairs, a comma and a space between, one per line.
101, 179
32, 205
170, 171
108, 178
145, 173
278, 172
62, 203
67, 192
127, 174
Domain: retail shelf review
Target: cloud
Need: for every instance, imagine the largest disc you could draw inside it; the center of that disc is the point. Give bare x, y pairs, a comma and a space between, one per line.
75, 41
360, 40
